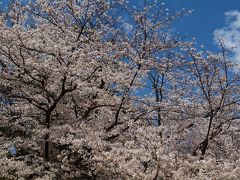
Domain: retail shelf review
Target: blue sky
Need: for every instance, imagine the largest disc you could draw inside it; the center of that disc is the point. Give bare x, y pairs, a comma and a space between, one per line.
208, 15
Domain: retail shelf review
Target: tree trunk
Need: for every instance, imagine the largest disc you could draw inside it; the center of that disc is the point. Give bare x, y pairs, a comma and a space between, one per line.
46, 139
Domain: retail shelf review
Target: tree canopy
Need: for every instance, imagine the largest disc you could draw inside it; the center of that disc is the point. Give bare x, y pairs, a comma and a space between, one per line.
96, 89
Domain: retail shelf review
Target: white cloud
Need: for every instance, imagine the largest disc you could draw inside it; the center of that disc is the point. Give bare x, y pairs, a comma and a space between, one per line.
231, 33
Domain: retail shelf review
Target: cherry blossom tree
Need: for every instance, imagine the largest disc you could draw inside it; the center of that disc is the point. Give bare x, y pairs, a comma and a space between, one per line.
88, 94
218, 84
